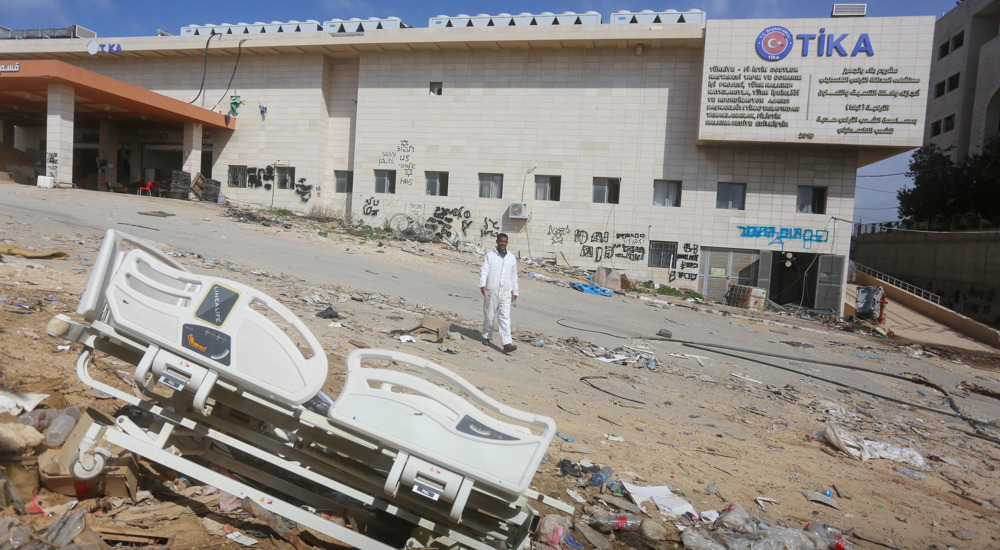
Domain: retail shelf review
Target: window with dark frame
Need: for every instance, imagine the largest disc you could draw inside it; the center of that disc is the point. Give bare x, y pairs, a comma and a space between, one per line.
385, 181
957, 41
606, 190
811, 200
939, 89
284, 177
953, 82
437, 183
343, 181
666, 193
949, 123
491, 186
731, 196
436, 88
662, 254
547, 188
943, 50
936, 128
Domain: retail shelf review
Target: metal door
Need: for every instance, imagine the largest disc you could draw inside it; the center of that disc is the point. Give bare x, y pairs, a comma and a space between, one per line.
722, 267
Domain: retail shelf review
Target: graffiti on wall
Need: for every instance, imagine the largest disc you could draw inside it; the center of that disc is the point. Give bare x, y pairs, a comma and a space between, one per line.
256, 177
402, 159
557, 234
779, 235
630, 246
491, 228
686, 264
415, 210
371, 207
302, 190
52, 164
440, 223
598, 253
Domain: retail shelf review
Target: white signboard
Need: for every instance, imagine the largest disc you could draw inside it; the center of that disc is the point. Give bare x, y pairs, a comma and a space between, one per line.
852, 81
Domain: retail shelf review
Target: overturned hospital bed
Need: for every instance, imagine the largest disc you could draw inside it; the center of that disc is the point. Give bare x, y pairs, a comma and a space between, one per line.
233, 381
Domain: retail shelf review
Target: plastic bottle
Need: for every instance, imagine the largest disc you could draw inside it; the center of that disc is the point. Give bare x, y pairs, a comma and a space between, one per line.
38, 419
61, 426
617, 522
600, 477
616, 487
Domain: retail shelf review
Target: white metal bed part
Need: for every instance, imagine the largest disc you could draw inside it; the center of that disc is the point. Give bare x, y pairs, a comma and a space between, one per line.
227, 385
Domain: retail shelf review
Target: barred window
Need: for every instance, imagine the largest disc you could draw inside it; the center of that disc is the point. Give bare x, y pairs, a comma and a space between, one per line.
237, 176
662, 254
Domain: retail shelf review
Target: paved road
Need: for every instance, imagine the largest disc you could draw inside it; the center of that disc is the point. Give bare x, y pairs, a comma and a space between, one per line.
451, 286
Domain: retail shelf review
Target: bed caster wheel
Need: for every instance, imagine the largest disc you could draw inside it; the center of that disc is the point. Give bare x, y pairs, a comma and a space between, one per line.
87, 469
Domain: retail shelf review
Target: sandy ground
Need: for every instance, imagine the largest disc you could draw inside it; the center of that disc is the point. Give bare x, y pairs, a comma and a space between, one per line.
713, 438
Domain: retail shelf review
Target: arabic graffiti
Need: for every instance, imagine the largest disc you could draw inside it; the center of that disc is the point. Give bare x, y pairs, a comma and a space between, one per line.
16, 67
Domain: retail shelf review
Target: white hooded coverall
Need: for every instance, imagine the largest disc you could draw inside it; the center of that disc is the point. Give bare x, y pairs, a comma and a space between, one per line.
499, 276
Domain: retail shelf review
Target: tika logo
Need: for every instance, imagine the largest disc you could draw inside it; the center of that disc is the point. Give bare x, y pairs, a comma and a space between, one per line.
774, 43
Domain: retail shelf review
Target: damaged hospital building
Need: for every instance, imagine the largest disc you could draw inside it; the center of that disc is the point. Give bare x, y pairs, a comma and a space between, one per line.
675, 148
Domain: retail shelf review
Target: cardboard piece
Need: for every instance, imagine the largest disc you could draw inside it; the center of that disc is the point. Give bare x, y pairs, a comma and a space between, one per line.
120, 477
434, 329
608, 278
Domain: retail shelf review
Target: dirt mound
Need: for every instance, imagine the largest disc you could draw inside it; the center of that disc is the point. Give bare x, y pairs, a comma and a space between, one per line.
16, 166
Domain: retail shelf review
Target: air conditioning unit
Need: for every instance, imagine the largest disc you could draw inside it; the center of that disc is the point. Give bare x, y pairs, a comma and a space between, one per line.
519, 211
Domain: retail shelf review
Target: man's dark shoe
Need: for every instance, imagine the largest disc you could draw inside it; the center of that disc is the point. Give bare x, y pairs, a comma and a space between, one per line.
486, 342
509, 348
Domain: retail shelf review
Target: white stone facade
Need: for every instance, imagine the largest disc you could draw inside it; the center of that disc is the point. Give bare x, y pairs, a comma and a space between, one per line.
618, 107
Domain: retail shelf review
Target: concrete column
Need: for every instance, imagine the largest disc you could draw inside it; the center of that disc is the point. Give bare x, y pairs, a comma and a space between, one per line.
8, 133
59, 134
192, 147
107, 155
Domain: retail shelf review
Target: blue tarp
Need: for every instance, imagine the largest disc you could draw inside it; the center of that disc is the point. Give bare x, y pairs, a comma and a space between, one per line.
591, 289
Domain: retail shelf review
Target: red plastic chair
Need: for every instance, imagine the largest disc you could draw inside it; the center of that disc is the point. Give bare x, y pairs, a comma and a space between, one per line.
146, 188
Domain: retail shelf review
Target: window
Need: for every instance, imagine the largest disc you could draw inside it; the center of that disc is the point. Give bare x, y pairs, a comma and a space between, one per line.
949, 123
237, 176
939, 89
491, 186
953, 82
943, 50
344, 181
284, 177
436, 88
731, 196
606, 190
385, 181
666, 193
936, 128
812, 200
957, 41
547, 188
437, 183
662, 254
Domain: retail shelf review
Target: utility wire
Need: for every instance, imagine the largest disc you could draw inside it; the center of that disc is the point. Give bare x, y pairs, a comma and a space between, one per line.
204, 69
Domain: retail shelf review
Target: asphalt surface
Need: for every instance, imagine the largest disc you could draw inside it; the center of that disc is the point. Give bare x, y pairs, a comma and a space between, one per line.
543, 308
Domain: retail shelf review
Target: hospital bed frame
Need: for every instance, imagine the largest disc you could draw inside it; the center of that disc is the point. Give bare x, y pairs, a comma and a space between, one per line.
233, 380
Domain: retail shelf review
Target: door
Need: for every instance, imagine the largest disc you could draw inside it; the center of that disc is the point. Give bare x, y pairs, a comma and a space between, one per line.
723, 267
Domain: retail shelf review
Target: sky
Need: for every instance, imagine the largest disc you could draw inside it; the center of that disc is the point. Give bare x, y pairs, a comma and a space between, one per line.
875, 199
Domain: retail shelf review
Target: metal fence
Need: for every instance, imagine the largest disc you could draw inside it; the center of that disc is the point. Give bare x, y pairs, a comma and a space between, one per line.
903, 285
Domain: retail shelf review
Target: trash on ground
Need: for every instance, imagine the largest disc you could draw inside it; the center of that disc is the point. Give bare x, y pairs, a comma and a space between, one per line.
840, 439
662, 497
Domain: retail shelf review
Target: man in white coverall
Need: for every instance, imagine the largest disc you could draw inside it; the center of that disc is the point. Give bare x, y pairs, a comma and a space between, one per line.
498, 283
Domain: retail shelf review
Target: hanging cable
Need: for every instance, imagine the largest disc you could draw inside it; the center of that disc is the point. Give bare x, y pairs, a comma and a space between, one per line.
204, 69
239, 52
